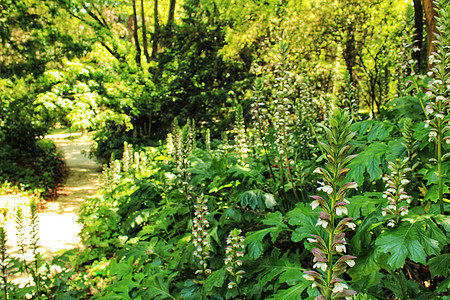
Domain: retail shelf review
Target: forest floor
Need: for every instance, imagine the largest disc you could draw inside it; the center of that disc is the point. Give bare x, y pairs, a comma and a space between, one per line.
58, 227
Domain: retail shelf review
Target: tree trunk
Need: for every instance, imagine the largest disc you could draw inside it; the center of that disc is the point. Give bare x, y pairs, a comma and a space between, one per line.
144, 33
135, 34
349, 53
418, 35
171, 18
430, 14
155, 37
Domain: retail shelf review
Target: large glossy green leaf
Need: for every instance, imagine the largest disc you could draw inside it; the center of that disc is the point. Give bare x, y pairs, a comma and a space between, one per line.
364, 205
304, 219
292, 293
254, 240
440, 265
416, 238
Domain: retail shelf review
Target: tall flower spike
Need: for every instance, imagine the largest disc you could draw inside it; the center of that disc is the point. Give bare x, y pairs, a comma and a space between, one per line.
395, 192
329, 257
233, 260
201, 236
438, 107
241, 139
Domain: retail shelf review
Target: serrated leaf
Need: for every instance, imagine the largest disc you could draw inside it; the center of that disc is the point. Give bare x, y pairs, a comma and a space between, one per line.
287, 268
396, 150
403, 241
305, 221
364, 205
254, 239
380, 131
440, 265
215, 279
369, 159
292, 293
158, 285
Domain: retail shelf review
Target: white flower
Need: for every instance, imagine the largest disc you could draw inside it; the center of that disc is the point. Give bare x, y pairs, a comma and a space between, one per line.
404, 181
313, 285
351, 225
391, 207
321, 265
350, 263
314, 204
340, 248
341, 210
317, 170
339, 287
429, 110
308, 277
404, 212
312, 240
322, 223
383, 213
391, 223
326, 188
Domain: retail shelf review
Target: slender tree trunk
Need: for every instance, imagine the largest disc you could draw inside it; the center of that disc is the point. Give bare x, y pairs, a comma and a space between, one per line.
155, 37
135, 34
349, 53
430, 14
171, 18
144, 33
418, 35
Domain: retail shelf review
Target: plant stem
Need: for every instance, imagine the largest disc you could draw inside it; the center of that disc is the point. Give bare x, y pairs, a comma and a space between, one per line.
330, 246
439, 163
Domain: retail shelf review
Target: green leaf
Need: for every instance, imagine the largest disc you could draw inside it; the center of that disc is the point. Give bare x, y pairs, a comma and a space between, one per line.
364, 205
380, 131
440, 265
368, 160
257, 199
215, 279
412, 239
157, 286
305, 219
287, 268
254, 239
292, 293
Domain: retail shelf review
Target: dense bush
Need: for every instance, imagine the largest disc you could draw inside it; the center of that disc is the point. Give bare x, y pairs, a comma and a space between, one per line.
41, 168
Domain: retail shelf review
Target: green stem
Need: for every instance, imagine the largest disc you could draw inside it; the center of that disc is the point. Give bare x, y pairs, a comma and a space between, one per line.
439, 163
290, 174
330, 246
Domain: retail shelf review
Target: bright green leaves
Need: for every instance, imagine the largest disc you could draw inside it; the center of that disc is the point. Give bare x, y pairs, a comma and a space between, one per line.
440, 265
304, 220
416, 238
368, 160
254, 240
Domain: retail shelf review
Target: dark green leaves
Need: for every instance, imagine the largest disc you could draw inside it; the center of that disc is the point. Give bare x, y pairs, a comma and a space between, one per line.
416, 238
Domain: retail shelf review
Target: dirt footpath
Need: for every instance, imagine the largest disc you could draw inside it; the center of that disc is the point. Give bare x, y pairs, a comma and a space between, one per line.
58, 227
58, 222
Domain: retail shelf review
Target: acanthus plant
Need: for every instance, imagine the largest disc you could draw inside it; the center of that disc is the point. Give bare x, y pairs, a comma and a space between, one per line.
330, 259
201, 236
183, 145
395, 193
282, 117
240, 138
233, 260
438, 107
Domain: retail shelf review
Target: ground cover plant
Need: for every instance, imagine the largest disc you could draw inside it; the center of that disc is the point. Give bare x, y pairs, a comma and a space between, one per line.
285, 177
